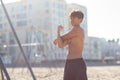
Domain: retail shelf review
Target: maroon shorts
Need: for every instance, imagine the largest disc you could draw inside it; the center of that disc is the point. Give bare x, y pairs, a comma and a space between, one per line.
75, 69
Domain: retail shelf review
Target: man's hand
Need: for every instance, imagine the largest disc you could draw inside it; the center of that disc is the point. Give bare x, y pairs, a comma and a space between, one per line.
55, 42
60, 27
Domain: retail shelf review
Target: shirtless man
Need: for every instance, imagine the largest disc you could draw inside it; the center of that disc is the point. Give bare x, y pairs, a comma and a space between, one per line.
75, 67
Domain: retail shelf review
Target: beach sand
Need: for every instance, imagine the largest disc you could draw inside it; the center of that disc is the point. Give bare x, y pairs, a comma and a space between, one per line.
55, 73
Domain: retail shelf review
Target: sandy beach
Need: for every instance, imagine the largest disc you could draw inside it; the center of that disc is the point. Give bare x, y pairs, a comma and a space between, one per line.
55, 73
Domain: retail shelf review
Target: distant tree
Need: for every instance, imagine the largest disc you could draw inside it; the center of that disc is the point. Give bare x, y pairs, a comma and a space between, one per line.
118, 40
109, 40
113, 40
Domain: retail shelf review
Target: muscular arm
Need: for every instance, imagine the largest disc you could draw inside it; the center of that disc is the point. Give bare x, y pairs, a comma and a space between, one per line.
64, 40
60, 42
70, 35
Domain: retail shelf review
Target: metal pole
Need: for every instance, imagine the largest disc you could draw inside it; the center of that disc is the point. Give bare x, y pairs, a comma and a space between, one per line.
2, 66
22, 51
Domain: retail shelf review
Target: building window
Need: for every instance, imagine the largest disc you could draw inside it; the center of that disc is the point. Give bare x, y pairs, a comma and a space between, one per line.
60, 6
21, 8
21, 23
3, 37
21, 16
60, 14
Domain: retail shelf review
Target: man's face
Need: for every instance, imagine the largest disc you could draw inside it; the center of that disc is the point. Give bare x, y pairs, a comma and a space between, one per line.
75, 21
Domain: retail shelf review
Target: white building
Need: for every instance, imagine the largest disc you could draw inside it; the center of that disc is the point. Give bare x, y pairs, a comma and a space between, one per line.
112, 50
95, 48
35, 23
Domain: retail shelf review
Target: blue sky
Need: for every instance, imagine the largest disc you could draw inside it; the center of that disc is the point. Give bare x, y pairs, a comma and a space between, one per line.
103, 17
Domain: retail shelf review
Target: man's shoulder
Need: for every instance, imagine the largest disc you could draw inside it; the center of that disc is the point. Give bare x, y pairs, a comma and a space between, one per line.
77, 30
